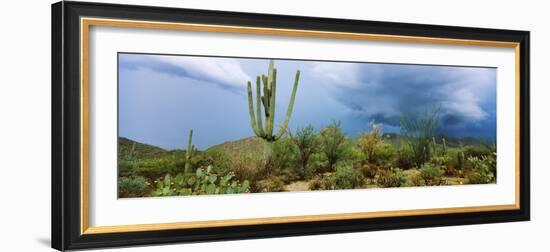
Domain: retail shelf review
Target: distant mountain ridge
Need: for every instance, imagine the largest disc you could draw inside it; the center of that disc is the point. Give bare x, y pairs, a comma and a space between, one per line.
254, 145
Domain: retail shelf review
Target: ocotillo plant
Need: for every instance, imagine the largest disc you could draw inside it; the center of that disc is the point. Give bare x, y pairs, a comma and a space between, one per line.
189, 152
267, 100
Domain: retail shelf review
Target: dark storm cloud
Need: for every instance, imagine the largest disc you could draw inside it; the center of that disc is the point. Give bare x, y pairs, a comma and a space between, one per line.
383, 92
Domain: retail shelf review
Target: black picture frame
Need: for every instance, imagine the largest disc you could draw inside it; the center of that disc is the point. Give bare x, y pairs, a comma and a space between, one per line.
66, 155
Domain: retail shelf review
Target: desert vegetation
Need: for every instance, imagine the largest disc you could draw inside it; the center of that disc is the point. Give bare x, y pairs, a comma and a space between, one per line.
277, 159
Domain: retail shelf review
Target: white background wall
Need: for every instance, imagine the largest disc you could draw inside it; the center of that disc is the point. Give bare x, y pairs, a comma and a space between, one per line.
25, 125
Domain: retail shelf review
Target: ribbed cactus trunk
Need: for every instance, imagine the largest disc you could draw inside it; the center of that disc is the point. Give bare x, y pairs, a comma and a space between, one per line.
189, 152
266, 99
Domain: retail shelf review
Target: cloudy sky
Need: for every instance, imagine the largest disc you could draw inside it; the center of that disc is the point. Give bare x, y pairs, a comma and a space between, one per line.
162, 97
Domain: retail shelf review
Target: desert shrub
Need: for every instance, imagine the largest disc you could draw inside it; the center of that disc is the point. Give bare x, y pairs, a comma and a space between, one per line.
154, 168
405, 158
481, 172
414, 178
333, 143
432, 174
368, 171
386, 154
420, 130
307, 144
477, 151
284, 154
346, 177
318, 163
250, 168
132, 187
218, 159
271, 184
321, 182
369, 143
125, 168
391, 178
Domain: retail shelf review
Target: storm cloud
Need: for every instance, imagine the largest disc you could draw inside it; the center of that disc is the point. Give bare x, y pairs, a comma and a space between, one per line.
466, 96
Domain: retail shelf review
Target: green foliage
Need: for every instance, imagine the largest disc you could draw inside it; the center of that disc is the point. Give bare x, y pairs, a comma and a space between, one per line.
267, 101
346, 177
482, 170
333, 143
218, 159
432, 174
154, 168
132, 187
391, 178
477, 151
369, 143
306, 142
284, 154
199, 183
405, 157
420, 131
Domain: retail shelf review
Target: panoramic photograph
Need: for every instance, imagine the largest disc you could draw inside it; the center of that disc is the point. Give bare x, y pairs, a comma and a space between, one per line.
204, 125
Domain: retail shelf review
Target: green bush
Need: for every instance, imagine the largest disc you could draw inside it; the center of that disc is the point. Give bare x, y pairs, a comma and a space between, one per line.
405, 158
284, 154
318, 163
346, 177
306, 143
369, 143
391, 178
154, 168
482, 171
477, 151
132, 187
333, 143
432, 174
218, 159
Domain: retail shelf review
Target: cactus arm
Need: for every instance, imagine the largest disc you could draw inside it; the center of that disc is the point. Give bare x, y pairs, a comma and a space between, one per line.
290, 106
265, 99
272, 93
260, 132
251, 110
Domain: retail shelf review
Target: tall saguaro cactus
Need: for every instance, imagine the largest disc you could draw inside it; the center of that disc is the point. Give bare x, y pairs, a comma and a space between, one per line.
267, 100
189, 152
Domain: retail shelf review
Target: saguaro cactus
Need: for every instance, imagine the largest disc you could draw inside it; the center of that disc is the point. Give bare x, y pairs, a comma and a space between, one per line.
189, 152
267, 100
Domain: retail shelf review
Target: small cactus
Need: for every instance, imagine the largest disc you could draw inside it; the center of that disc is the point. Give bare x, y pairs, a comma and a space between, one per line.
189, 152
460, 159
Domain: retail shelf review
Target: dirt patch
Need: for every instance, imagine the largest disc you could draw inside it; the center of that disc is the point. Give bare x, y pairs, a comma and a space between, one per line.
297, 186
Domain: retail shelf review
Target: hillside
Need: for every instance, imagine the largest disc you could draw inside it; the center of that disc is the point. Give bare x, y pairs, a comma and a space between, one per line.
140, 150
250, 145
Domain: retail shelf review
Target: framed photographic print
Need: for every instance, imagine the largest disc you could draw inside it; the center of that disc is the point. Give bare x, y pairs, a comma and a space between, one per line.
180, 125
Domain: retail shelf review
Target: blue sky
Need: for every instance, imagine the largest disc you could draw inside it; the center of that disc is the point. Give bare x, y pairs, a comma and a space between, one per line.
161, 97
